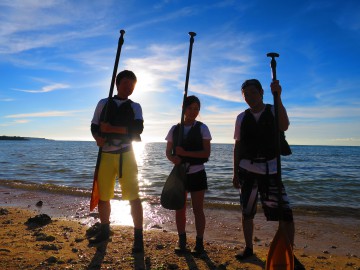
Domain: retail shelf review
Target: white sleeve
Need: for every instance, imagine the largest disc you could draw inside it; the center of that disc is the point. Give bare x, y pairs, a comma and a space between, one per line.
99, 107
239, 119
169, 136
205, 132
137, 111
273, 112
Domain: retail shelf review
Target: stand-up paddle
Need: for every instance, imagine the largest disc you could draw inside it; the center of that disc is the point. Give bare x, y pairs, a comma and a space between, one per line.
95, 191
280, 256
173, 193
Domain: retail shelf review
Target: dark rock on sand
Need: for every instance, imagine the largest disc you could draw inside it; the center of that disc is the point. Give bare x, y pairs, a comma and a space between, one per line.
38, 221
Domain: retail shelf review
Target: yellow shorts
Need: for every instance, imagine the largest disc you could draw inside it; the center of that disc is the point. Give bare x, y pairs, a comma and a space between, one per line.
110, 169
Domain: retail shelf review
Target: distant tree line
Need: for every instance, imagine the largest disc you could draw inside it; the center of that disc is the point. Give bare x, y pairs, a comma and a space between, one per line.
13, 138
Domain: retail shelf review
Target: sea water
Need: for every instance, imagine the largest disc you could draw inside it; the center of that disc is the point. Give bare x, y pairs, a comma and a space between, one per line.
317, 178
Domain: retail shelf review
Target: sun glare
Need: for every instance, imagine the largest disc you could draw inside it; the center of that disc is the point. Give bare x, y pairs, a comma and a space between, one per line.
139, 152
120, 213
145, 82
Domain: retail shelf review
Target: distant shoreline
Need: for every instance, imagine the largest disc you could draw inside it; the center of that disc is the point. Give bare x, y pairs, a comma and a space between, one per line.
18, 138
13, 138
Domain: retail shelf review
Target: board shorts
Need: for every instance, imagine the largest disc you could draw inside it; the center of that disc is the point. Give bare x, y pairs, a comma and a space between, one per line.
253, 185
120, 166
196, 181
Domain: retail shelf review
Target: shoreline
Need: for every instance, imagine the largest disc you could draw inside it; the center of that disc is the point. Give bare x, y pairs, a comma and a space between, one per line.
319, 240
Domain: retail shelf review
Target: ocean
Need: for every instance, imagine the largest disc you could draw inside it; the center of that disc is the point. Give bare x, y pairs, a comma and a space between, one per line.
318, 179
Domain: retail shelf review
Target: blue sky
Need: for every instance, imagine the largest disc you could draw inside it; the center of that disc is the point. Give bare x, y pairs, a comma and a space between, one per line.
57, 58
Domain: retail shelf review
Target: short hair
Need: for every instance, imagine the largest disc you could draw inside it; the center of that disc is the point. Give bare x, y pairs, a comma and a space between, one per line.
190, 100
125, 74
254, 82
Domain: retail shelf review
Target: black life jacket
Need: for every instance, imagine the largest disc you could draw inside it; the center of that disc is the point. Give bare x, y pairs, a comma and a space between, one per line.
122, 116
193, 142
257, 139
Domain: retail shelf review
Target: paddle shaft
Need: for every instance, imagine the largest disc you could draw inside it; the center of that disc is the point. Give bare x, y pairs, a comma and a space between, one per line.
181, 130
113, 78
277, 132
280, 256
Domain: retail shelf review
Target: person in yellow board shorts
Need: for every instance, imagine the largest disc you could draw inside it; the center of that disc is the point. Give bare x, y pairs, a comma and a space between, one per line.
124, 124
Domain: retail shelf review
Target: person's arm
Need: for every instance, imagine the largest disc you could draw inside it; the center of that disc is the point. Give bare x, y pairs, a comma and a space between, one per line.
174, 159
236, 161
100, 141
205, 153
283, 117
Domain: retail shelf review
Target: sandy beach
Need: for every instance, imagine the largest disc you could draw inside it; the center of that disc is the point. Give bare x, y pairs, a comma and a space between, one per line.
321, 242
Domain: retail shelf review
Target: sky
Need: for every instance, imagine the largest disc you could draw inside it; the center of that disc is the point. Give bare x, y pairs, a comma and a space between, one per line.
57, 59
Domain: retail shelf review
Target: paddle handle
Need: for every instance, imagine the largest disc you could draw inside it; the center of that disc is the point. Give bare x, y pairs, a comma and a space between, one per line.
181, 130
276, 108
116, 64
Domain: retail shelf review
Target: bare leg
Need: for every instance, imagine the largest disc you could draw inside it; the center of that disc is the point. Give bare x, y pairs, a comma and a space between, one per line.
197, 199
137, 213
248, 228
104, 208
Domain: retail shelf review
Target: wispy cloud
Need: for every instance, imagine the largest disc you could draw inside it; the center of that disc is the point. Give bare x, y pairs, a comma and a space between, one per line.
43, 114
347, 140
165, 17
15, 122
45, 89
35, 24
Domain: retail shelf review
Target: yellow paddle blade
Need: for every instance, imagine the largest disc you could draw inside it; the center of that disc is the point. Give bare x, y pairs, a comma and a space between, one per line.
280, 256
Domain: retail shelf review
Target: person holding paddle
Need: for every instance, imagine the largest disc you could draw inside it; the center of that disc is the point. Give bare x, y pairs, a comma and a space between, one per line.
255, 162
194, 150
124, 124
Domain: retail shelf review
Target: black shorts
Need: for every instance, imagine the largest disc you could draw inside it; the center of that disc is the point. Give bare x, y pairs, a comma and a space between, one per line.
253, 184
196, 181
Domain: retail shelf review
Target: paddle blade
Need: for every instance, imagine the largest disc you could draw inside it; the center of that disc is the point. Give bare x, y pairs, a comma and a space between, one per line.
280, 256
173, 193
95, 192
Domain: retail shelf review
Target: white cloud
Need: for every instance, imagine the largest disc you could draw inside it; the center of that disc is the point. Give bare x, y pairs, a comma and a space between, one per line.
45, 89
43, 114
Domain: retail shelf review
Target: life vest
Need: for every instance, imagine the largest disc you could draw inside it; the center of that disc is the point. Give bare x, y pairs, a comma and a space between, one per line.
122, 116
257, 139
193, 142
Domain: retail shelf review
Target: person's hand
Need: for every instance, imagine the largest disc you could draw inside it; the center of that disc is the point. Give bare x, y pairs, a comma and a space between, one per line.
176, 160
100, 141
105, 127
236, 182
180, 151
276, 87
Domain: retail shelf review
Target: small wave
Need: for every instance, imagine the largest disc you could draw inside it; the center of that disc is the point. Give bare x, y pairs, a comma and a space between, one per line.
57, 189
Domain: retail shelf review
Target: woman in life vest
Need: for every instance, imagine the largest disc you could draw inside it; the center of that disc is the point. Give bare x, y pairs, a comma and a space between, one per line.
194, 150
